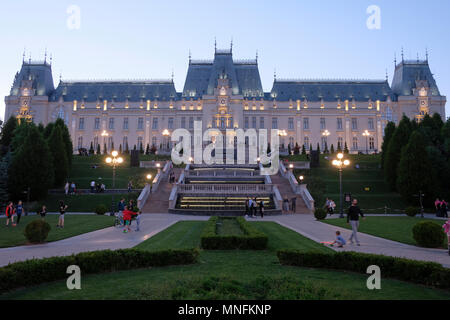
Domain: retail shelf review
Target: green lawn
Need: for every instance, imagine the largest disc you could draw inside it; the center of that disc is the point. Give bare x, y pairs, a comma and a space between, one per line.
324, 182
229, 227
85, 202
74, 225
229, 275
392, 228
82, 172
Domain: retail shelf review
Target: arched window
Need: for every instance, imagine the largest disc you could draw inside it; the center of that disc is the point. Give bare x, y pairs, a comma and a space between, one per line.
372, 143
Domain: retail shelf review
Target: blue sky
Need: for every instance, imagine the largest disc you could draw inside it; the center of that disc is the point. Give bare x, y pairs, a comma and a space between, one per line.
148, 39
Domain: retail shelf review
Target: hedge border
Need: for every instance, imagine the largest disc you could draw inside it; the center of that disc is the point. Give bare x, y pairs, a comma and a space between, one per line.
252, 239
419, 272
38, 271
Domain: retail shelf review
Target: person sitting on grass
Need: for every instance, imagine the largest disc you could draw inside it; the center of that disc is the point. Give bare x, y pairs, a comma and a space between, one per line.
340, 241
127, 215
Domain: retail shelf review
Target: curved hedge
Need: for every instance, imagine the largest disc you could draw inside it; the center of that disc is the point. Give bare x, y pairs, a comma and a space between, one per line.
421, 272
252, 239
38, 271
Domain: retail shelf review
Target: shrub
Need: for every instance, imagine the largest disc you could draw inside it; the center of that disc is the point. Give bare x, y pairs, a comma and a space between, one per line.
428, 234
37, 231
101, 209
412, 211
38, 271
252, 239
320, 214
421, 272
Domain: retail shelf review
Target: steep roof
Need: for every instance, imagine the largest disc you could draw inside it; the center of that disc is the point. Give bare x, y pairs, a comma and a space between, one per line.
331, 90
202, 76
406, 74
40, 72
120, 91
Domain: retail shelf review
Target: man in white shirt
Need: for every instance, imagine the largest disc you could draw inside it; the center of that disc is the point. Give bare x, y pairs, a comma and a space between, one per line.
92, 186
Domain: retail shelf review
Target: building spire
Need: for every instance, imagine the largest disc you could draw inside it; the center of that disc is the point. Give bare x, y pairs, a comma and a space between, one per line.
173, 75
402, 55
387, 77
395, 59
190, 56
256, 55
51, 59
23, 55
45, 56
426, 54
231, 45
215, 45
275, 74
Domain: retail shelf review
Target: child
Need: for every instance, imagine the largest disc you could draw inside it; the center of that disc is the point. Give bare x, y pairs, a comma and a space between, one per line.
43, 212
138, 219
127, 215
340, 241
446, 227
9, 213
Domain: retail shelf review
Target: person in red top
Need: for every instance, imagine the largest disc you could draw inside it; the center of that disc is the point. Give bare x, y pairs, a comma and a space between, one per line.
127, 215
9, 213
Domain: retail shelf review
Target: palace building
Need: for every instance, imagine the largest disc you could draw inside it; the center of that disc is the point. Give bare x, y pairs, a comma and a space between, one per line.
225, 93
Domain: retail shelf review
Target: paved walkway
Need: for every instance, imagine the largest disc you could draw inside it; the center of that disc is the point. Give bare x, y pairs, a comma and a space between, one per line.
317, 231
110, 238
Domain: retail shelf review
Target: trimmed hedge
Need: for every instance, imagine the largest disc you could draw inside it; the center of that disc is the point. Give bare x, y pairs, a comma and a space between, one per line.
252, 239
428, 234
37, 231
412, 211
421, 272
320, 214
38, 271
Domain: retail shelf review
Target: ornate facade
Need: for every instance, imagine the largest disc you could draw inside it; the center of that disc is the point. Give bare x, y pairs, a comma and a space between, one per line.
225, 93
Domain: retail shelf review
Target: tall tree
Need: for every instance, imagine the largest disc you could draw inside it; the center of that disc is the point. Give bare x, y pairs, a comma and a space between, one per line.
4, 164
414, 172
59, 155
399, 140
388, 133
67, 140
7, 135
31, 167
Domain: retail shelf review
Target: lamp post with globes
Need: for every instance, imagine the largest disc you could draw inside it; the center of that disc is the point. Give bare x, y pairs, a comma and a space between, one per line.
149, 178
366, 134
340, 163
114, 161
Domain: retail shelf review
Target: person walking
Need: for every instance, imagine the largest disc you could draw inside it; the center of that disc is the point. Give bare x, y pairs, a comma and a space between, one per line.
255, 205
73, 188
446, 227
444, 208
261, 208
43, 212
62, 211
353, 218
66, 188
250, 206
92, 186
247, 206
9, 214
131, 205
138, 220
130, 186
19, 211
286, 205
294, 204
127, 215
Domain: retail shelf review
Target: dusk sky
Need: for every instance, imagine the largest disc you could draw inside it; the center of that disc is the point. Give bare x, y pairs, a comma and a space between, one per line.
148, 39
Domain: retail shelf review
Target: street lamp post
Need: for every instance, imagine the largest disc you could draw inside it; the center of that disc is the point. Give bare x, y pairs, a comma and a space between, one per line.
366, 134
166, 135
149, 178
114, 160
340, 163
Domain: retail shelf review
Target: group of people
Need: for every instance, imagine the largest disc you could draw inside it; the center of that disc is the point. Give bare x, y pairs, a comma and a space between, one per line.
441, 208
289, 206
353, 214
127, 214
251, 207
70, 188
172, 177
13, 211
97, 187
330, 206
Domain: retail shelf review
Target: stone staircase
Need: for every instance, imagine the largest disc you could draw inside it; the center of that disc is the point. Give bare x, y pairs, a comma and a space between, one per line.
286, 191
158, 202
